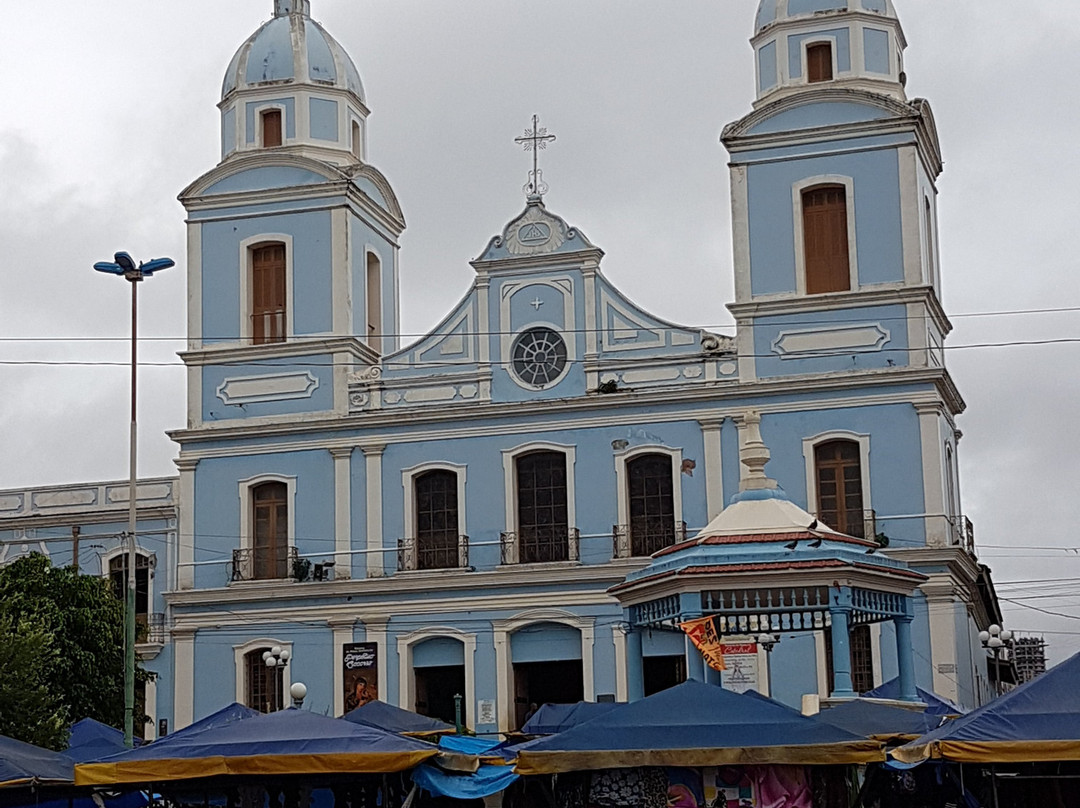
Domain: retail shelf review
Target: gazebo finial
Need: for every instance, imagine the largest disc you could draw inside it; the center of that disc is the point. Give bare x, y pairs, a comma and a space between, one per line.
754, 455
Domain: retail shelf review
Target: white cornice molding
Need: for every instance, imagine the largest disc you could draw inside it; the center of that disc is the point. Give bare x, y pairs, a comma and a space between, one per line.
233, 354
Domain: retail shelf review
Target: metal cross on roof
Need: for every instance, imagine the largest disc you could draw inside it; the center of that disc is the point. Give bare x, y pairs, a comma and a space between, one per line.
534, 140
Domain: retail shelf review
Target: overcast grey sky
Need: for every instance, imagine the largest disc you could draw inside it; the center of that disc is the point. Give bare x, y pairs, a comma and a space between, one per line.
107, 111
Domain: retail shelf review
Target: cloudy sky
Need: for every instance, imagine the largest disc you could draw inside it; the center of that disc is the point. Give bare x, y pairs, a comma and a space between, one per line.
108, 111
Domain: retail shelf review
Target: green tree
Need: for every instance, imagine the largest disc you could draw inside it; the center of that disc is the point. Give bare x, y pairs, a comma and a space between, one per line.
83, 661
29, 709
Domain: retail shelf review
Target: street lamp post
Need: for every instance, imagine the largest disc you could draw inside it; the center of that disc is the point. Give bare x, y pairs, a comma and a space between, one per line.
768, 642
123, 264
276, 659
997, 639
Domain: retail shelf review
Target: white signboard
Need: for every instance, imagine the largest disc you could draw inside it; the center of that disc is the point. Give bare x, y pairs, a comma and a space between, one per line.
742, 667
485, 711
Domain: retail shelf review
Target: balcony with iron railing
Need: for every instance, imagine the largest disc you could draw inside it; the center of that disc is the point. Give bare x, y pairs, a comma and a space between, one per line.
266, 564
645, 537
540, 545
961, 533
441, 552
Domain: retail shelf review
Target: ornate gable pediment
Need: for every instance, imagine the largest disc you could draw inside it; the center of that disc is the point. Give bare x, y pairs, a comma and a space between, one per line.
536, 231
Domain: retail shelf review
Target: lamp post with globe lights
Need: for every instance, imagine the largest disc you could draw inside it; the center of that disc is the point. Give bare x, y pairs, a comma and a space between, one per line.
276, 659
997, 640
768, 642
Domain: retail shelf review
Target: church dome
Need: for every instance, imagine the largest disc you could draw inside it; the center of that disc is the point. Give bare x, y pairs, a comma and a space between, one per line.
292, 48
771, 11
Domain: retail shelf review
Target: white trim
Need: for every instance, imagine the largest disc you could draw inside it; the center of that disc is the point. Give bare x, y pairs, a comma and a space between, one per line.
185, 550
800, 237
811, 443
247, 536
622, 478
408, 484
150, 707
183, 678
406, 643
875, 653
510, 457
504, 663
622, 674
373, 469
246, 247
712, 440
342, 512
820, 655
343, 632
936, 527
240, 651
375, 631
341, 272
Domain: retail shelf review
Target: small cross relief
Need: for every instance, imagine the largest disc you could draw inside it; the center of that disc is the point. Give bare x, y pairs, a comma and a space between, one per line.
536, 304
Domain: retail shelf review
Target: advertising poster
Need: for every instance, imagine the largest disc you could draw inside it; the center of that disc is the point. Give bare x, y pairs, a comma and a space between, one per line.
741, 673
360, 662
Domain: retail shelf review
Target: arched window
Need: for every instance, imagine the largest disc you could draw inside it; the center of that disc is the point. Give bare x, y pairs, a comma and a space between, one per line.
374, 302
543, 525
436, 520
268, 302
118, 566
825, 239
270, 536
271, 128
651, 499
263, 685
819, 65
838, 468
931, 253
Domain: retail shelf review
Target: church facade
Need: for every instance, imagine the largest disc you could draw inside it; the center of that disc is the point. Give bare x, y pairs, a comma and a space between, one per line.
454, 517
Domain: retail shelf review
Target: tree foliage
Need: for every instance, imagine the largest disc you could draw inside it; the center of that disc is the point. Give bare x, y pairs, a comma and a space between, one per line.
29, 709
81, 659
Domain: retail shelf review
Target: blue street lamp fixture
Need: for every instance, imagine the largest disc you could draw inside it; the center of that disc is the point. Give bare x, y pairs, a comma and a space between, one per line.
124, 265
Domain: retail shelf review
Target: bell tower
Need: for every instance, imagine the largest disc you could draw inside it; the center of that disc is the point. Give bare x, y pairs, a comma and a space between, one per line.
834, 198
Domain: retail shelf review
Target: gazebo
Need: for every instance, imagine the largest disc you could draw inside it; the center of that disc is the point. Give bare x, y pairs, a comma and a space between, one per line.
766, 565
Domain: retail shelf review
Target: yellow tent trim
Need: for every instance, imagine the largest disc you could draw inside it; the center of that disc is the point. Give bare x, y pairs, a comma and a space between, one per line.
992, 751
156, 771
537, 762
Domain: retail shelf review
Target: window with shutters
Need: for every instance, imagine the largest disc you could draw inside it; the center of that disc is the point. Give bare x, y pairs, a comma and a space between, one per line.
268, 294
543, 524
263, 685
436, 520
652, 503
118, 577
357, 141
270, 534
825, 239
838, 470
271, 128
819, 64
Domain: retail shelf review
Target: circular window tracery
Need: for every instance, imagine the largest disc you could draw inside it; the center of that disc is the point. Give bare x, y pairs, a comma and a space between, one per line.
539, 357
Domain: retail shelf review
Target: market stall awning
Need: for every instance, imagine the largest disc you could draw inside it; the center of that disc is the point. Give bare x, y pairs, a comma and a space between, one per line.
385, 716
696, 724
1037, 722
283, 743
870, 719
554, 718
935, 704
223, 717
22, 763
92, 740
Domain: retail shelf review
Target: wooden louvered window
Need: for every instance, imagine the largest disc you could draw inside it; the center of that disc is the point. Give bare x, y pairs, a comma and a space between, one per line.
825, 239
819, 65
264, 686
271, 537
838, 466
436, 520
543, 520
268, 294
271, 128
652, 504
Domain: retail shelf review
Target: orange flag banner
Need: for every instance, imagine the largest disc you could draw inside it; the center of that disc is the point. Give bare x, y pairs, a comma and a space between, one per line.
702, 633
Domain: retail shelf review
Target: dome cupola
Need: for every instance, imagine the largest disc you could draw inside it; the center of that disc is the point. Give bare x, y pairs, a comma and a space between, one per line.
806, 44
292, 84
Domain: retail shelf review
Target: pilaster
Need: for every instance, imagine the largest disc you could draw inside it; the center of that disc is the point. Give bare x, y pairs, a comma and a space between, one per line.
373, 455
342, 629
714, 468
185, 556
183, 640
342, 512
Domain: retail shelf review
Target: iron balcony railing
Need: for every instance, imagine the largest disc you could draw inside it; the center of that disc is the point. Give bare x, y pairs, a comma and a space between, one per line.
263, 564
645, 537
961, 533
541, 544
155, 628
443, 552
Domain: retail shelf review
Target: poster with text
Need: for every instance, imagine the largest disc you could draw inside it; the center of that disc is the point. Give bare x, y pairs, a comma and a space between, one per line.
742, 667
360, 664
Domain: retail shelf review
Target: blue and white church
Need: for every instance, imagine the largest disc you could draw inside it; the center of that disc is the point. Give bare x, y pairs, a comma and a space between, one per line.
522, 506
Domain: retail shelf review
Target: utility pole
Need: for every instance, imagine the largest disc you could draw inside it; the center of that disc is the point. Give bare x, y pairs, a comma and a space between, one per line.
75, 548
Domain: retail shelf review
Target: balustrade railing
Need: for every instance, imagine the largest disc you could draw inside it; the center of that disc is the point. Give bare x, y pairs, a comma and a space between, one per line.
540, 545
433, 553
646, 537
263, 564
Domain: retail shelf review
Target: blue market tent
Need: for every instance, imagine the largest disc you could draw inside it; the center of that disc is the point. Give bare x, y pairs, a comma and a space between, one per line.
935, 704
488, 778
385, 716
883, 721
1037, 722
222, 718
23, 763
696, 724
283, 743
92, 740
554, 718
